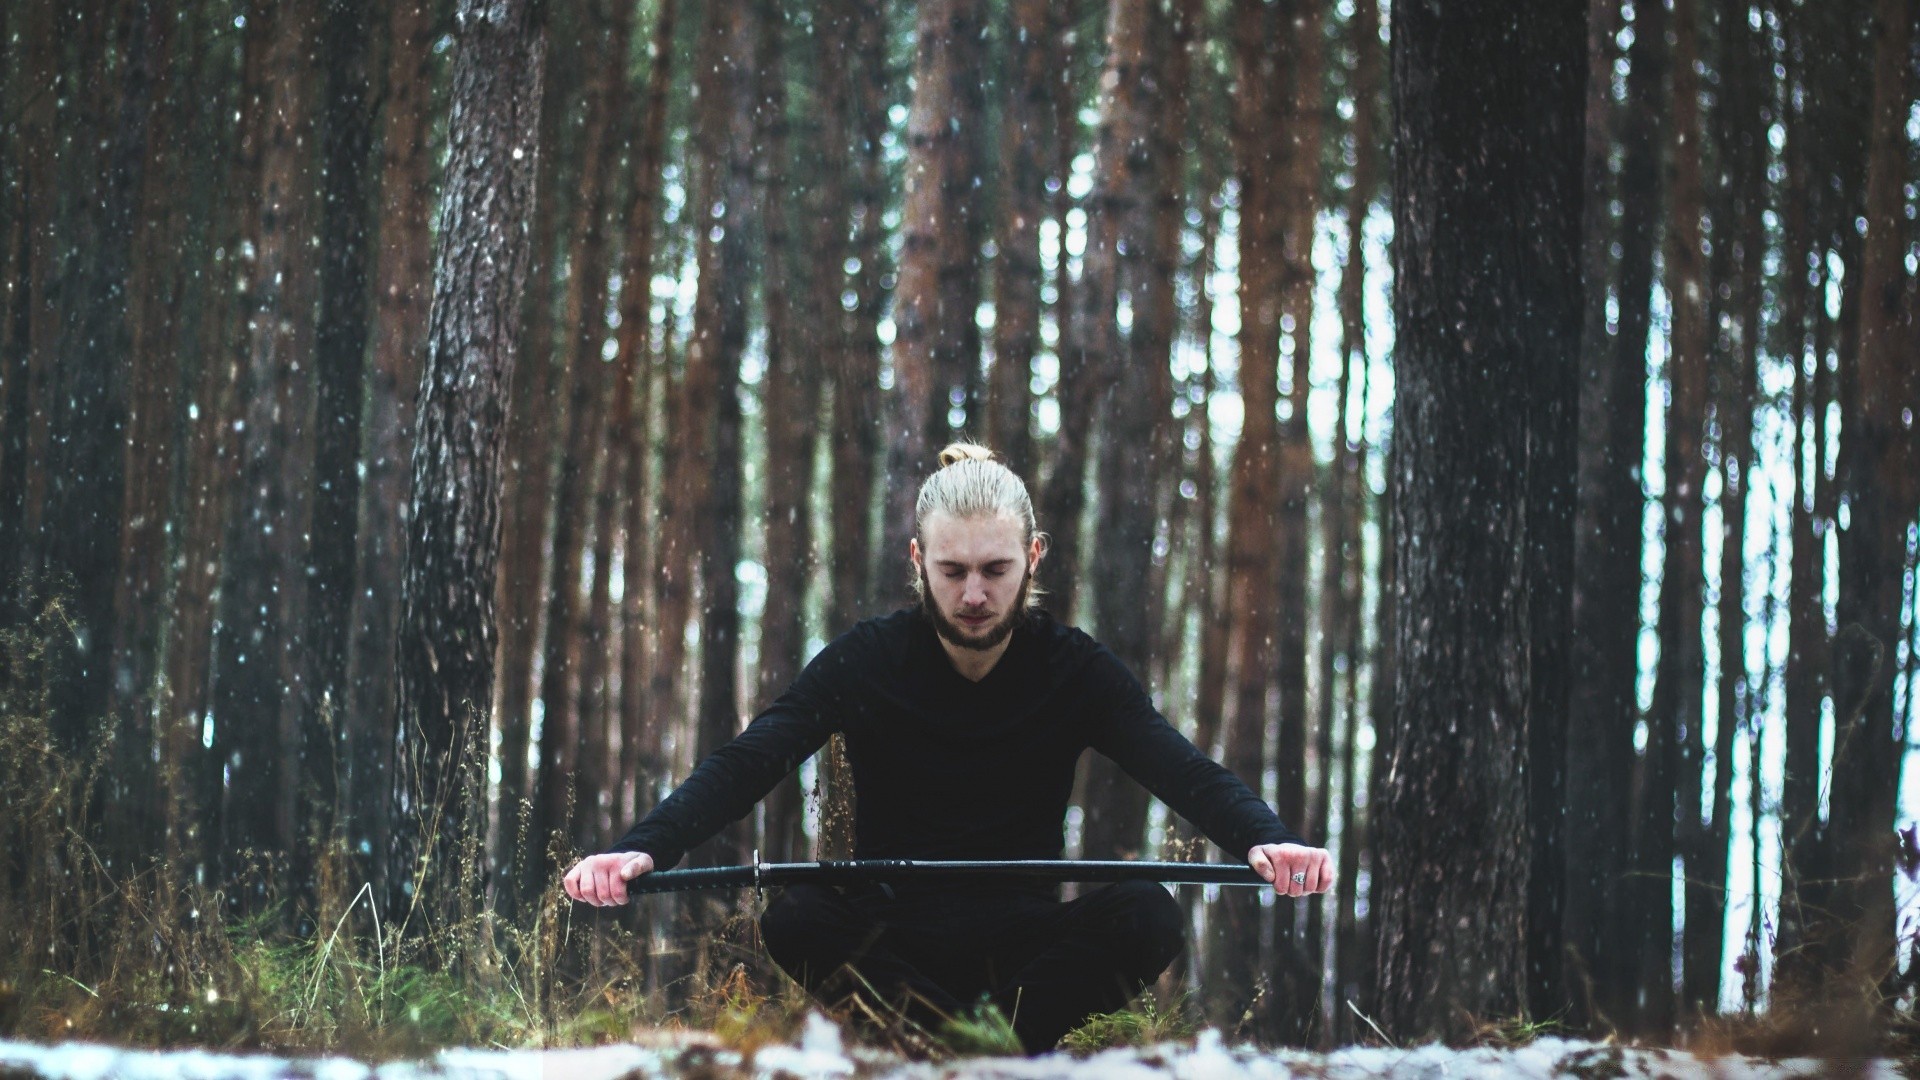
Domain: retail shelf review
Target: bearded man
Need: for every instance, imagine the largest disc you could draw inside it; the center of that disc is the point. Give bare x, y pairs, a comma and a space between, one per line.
964, 718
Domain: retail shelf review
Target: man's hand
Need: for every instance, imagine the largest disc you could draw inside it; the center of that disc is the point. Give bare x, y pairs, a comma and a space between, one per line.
601, 880
1293, 869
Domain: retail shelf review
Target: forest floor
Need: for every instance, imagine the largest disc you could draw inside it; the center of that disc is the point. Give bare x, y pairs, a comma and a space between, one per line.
819, 1053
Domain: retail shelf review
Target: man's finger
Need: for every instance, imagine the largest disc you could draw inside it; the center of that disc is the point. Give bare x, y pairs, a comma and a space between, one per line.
641, 863
1257, 858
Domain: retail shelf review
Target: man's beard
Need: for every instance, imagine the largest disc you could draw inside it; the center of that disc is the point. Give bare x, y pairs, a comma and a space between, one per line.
959, 636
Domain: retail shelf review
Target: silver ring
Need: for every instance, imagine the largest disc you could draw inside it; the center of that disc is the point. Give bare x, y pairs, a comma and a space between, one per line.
1300, 877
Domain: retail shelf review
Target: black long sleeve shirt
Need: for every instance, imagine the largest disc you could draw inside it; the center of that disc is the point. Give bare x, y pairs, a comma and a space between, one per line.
947, 768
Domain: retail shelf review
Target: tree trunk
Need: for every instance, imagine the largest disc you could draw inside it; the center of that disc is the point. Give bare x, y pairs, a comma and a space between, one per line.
711, 460
1605, 616
154, 371
1350, 472
1875, 471
1298, 155
37, 324
1671, 791
561, 797
791, 407
86, 455
1471, 383
639, 732
211, 475
1607, 696
447, 633
936, 338
1121, 247
261, 670
1740, 250
402, 292
1027, 139
533, 419
1234, 963
340, 344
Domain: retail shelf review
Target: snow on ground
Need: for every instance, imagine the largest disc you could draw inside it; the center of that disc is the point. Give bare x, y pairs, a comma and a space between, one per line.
820, 1055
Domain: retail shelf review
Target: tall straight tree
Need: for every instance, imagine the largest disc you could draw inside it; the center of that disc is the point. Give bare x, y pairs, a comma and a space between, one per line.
1027, 135
584, 324
1494, 92
261, 660
854, 114
1804, 856
1875, 471
711, 460
1131, 159
1670, 791
1296, 134
154, 369
937, 341
340, 346
403, 283
1601, 704
639, 737
481, 251
791, 413
1234, 962
1349, 960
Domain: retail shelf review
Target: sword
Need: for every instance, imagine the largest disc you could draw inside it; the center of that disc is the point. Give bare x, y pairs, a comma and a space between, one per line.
761, 875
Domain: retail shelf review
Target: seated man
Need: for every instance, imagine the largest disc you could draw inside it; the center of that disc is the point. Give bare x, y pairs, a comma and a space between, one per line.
963, 720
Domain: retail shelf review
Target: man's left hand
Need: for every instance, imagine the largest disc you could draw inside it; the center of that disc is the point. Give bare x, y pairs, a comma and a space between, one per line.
1294, 869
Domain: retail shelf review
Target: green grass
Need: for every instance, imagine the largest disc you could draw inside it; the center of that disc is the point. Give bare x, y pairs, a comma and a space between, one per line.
1146, 1025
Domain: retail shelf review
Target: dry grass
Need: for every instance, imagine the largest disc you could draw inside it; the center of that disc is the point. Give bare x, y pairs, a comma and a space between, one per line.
152, 958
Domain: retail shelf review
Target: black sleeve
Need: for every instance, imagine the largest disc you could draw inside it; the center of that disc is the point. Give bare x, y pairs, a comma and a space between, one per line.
733, 779
1127, 728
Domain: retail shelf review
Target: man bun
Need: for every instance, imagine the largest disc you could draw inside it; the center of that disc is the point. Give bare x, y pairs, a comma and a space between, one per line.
964, 451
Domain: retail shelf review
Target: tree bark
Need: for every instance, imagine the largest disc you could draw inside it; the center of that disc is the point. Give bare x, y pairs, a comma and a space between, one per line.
1027, 139
1453, 846
447, 631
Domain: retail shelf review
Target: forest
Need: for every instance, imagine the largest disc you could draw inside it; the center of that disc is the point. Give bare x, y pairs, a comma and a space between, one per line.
430, 427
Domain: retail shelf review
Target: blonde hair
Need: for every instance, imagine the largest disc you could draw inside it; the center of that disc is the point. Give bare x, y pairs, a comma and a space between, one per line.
971, 482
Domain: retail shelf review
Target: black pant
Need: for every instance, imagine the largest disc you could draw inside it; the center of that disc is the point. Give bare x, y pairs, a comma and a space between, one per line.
932, 953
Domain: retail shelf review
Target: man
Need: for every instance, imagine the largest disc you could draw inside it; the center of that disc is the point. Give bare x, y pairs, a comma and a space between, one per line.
963, 719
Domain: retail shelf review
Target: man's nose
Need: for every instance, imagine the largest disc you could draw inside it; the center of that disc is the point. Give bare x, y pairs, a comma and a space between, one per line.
976, 590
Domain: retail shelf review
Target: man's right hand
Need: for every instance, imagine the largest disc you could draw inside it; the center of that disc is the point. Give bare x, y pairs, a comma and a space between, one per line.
601, 880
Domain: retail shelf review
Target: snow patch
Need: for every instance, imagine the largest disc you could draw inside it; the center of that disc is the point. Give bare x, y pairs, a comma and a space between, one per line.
821, 1054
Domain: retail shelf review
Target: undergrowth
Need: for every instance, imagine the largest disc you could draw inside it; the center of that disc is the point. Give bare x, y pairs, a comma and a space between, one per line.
143, 953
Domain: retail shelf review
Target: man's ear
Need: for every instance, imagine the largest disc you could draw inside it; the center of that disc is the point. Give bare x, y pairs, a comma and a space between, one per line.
913, 551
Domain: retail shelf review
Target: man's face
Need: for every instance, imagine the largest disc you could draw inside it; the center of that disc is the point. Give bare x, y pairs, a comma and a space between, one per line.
974, 574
